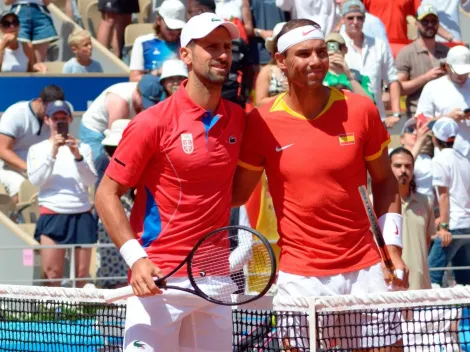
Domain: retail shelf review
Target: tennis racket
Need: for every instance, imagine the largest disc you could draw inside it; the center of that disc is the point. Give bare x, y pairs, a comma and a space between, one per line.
375, 229
218, 265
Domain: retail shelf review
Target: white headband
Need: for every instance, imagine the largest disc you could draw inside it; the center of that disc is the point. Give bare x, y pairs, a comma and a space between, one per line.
298, 35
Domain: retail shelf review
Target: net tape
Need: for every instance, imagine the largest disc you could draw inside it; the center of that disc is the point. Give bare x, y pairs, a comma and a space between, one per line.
64, 319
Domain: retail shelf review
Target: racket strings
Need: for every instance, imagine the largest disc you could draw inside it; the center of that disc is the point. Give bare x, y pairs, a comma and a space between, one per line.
231, 262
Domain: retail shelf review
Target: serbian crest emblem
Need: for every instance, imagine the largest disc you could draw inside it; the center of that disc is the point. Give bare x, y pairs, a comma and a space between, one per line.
187, 142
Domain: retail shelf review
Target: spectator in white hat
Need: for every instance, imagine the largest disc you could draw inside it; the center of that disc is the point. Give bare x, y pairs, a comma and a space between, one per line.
450, 96
150, 51
174, 72
181, 154
451, 177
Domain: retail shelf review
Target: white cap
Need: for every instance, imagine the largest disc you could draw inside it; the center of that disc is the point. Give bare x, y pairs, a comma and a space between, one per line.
445, 129
269, 42
114, 135
458, 58
201, 25
173, 13
172, 68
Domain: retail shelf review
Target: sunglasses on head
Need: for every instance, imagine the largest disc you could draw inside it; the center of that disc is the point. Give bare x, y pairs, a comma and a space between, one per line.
359, 18
10, 23
410, 129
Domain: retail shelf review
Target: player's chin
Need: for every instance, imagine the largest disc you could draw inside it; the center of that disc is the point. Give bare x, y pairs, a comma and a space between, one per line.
217, 76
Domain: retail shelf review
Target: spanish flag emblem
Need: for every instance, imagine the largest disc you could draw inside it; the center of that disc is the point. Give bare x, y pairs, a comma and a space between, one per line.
346, 139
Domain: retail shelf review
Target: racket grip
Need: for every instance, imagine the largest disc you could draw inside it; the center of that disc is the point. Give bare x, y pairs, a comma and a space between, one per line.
118, 294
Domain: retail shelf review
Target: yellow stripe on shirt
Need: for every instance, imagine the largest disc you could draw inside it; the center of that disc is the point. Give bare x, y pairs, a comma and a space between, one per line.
249, 166
379, 153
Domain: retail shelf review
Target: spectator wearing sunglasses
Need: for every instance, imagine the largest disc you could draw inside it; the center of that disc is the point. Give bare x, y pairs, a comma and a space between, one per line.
370, 57
420, 62
15, 56
37, 27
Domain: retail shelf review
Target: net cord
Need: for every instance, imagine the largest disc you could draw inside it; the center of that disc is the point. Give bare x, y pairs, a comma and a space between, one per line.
399, 299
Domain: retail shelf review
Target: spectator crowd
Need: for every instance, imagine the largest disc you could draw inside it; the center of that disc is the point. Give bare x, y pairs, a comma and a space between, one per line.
407, 56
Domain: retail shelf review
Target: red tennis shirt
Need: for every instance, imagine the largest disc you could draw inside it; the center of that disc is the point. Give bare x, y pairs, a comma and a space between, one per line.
314, 168
182, 160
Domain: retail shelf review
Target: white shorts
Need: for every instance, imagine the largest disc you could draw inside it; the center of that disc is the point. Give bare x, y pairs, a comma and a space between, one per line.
11, 180
357, 330
177, 321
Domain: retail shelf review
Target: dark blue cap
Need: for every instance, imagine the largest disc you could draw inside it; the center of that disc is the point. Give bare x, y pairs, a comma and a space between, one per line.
150, 89
57, 106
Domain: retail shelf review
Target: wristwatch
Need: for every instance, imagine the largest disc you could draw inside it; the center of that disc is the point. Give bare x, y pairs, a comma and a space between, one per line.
257, 32
444, 225
397, 114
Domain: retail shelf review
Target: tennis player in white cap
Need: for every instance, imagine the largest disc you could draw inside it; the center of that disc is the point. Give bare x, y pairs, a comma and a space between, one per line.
181, 156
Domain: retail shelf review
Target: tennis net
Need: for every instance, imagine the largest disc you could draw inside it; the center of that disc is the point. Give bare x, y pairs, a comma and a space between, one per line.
61, 319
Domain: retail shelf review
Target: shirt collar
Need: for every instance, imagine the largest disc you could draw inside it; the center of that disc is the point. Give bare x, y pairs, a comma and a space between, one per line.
191, 108
420, 49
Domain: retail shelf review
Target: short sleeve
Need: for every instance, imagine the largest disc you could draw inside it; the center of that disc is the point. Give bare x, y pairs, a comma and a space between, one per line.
12, 123
402, 62
440, 176
67, 67
377, 137
426, 102
251, 154
137, 56
138, 144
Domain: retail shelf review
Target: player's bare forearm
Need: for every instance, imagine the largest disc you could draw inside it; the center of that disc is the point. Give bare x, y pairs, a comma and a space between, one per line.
244, 182
111, 212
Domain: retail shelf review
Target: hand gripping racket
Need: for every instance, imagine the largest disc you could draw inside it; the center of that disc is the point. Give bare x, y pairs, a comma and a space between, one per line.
218, 265
379, 239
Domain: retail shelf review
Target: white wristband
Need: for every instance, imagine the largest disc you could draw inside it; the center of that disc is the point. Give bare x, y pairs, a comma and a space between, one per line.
132, 251
390, 224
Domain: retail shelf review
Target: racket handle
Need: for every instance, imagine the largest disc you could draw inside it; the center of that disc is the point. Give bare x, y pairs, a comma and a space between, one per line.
118, 294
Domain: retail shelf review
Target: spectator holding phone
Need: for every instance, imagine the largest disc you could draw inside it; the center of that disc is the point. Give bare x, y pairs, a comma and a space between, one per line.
63, 170
339, 73
450, 96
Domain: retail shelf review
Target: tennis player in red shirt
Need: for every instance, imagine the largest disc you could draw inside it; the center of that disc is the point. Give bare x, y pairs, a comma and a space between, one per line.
181, 156
316, 145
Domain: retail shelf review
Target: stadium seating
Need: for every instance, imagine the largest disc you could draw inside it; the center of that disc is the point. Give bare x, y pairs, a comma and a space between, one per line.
92, 18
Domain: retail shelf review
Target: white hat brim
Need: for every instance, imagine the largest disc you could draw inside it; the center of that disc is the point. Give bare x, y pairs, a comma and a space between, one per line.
461, 69
172, 23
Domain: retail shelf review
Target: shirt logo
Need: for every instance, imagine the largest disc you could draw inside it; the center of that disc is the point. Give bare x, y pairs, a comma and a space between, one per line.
187, 142
232, 140
396, 228
139, 345
278, 149
215, 19
346, 139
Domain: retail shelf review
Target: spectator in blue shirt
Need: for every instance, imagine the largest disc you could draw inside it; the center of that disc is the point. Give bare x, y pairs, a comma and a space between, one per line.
80, 43
150, 51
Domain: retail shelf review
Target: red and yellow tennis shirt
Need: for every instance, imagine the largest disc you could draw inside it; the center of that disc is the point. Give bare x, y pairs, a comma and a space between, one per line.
314, 168
181, 159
